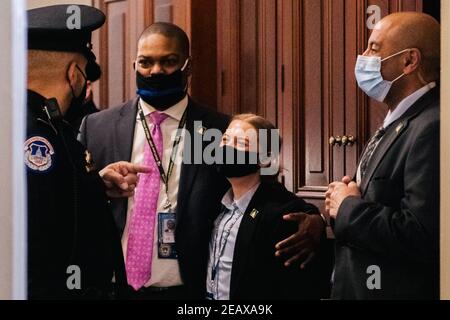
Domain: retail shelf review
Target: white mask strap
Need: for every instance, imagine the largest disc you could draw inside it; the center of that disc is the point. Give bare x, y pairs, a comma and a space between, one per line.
395, 54
185, 64
398, 78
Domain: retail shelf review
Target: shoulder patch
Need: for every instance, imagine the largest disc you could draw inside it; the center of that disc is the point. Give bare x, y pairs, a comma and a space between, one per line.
38, 154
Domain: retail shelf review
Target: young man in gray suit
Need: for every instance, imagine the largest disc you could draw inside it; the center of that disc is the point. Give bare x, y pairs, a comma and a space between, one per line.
192, 193
386, 222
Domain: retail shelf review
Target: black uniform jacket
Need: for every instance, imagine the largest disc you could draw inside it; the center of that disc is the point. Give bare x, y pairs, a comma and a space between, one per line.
73, 246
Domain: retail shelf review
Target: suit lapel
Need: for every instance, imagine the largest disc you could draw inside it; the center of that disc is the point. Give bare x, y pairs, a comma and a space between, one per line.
124, 133
244, 238
389, 138
189, 171
394, 131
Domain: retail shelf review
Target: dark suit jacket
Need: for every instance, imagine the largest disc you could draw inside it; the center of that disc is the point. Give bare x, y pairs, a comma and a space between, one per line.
256, 272
395, 225
109, 134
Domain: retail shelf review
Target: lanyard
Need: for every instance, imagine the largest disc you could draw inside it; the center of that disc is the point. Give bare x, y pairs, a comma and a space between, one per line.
224, 235
164, 177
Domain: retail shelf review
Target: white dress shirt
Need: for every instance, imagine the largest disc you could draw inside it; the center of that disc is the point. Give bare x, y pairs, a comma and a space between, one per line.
223, 240
400, 110
165, 272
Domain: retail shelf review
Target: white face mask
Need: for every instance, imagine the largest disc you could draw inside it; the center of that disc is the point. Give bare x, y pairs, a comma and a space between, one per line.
369, 78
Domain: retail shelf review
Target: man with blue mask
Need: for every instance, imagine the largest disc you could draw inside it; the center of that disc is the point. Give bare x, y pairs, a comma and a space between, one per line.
386, 221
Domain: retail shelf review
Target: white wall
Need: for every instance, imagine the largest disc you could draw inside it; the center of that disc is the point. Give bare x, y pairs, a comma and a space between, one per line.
445, 152
12, 134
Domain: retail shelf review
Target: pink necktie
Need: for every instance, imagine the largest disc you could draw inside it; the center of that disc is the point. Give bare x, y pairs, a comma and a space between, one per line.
140, 237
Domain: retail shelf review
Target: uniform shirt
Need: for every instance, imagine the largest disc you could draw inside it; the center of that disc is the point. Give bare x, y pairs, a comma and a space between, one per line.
400, 110
223, 240
165, 272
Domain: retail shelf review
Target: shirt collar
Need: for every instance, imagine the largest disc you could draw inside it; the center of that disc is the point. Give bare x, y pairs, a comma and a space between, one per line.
243, 202
175, 112
35, 102
406, 103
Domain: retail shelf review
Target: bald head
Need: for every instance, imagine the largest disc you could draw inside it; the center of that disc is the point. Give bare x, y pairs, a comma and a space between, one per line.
170, 31
405, 30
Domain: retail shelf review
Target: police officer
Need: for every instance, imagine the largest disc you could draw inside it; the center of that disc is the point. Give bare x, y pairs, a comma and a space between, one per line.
74, 250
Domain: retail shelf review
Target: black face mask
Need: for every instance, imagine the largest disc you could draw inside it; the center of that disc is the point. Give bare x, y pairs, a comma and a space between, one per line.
162, 91
237, 163
76, 110
74, 116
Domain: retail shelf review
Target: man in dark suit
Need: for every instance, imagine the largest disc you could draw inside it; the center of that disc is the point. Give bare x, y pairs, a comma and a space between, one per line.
193, 192
387, 222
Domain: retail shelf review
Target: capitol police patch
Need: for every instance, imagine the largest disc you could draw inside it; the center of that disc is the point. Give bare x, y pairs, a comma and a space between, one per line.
38, 154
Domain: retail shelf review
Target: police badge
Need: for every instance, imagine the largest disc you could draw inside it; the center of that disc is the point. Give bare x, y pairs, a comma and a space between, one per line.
38, 154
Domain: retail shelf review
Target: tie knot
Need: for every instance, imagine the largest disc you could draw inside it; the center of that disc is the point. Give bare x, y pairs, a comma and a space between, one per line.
158, 117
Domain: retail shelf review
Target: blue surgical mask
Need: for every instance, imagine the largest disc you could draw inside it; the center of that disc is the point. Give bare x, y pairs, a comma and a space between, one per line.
369, 78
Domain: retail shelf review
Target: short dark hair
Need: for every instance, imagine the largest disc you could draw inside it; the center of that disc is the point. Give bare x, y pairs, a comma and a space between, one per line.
169, 30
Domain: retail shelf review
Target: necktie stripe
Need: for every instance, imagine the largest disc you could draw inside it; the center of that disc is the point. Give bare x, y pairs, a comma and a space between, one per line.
371, 146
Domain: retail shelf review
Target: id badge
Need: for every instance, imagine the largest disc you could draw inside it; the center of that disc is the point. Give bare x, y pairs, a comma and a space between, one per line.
166, 235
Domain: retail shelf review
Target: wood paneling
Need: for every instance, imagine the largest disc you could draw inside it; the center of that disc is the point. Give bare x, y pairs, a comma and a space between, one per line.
117, 38
288, 73
314, 100
163, 10
117, 46
246, 53
228, 50
204, 52
267, 59
248, 67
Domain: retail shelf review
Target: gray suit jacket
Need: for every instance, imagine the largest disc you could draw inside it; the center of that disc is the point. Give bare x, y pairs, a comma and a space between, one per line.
108, 135
395, 226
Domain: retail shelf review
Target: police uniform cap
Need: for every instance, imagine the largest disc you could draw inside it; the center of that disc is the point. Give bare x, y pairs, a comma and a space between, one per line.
56, 28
